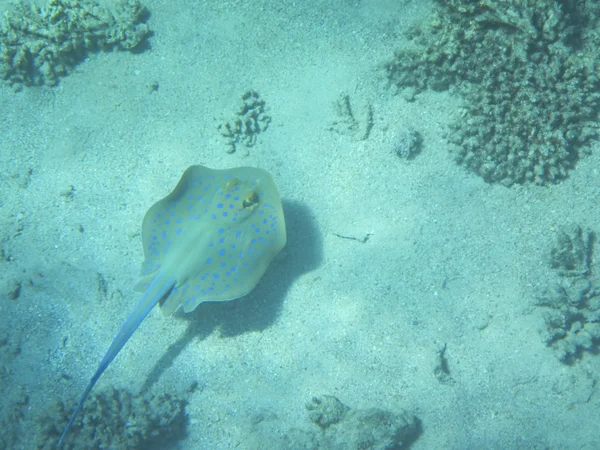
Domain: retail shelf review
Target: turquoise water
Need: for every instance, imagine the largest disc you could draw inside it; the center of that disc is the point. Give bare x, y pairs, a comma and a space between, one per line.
409, 285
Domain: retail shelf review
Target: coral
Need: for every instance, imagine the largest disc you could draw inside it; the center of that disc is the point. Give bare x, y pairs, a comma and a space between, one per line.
407, 143
13, 414
352, 118
326, 410
250, 120
572, 305
573, 252
371, 428
40, 45
116, 419
340, 428
528, 72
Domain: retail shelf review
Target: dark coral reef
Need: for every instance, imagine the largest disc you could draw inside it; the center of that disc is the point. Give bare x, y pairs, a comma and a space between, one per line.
528, 72
40, 45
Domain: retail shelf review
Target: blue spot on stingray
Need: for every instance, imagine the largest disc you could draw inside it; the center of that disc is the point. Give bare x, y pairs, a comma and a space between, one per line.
224, 214
221, 230
221, 240
178, 230
222, 252
164, 234
215, 276
220, 205
208, 260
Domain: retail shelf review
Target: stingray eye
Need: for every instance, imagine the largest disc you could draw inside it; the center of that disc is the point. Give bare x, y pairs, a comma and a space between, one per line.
250, 200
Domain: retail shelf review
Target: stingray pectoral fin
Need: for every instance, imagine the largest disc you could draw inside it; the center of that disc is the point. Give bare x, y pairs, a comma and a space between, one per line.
155, 292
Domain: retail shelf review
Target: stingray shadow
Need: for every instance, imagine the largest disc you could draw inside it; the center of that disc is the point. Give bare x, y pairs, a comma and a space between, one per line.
259, 309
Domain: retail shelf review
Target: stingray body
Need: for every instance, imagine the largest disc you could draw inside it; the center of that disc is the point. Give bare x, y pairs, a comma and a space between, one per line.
211, 239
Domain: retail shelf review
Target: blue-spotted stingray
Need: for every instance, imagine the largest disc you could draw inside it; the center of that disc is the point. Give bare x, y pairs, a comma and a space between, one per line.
211, 239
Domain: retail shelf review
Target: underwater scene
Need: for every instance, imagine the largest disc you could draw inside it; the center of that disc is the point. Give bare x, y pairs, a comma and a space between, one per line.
277, 224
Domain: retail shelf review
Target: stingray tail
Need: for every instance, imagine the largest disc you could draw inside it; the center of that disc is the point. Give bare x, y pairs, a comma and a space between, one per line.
155, 292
